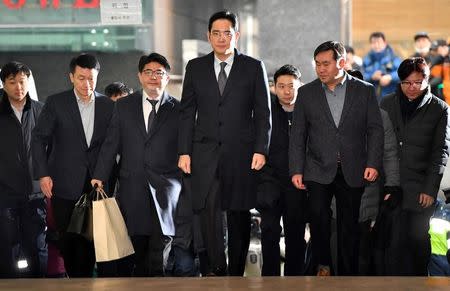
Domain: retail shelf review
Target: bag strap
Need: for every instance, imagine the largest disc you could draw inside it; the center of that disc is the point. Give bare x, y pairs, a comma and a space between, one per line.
100, 194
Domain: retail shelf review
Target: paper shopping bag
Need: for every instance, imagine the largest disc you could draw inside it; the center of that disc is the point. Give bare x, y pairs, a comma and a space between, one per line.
111, 240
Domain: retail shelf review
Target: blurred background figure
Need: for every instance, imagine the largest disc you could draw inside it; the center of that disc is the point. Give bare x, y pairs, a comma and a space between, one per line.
440, 239
440, 70
117, 90
422, 45
353, 62
380, 65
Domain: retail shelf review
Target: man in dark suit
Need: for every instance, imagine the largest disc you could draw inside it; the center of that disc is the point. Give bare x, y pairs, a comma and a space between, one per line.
224, 131
144, 132
277, 197
73, 124
336, 146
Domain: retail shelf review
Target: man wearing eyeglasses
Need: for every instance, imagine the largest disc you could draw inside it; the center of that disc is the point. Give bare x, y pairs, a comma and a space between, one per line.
421, 124
224, 138
144, 132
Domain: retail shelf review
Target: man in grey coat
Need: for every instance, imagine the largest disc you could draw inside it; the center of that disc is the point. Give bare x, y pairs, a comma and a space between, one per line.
336, 146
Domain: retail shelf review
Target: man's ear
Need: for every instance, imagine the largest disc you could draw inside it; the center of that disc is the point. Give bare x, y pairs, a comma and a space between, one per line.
340, 63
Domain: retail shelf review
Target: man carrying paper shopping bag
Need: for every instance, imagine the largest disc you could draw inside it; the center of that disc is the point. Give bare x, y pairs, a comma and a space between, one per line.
144, 131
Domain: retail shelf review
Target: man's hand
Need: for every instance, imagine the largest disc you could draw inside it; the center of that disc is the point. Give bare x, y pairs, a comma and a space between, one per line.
425, 200
184, 163
258, 161
385, 80
98, 182
297, 180
377, 75
46, 184
370, 174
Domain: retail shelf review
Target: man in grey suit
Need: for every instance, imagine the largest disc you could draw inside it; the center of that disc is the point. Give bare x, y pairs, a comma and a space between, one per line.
336, 147
224, 129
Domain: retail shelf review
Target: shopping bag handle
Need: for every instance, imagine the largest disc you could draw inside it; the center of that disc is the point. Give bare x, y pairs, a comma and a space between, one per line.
100, 193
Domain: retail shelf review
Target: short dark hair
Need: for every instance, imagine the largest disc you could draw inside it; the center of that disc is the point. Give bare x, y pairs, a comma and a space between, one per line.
411, 65
224, 14
349, 49
356, 74
12, 69
153, 57
377, 34
117, 88
335, 46
85, 61
421, 34
287, 70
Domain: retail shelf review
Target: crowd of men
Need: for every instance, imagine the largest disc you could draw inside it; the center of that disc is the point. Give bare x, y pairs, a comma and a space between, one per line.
186, 173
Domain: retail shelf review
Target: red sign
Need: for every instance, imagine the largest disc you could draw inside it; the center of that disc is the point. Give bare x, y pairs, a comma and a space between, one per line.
77, 4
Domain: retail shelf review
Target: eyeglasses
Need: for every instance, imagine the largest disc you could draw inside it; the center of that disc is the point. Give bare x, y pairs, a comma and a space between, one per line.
415, 84
218, 34
151, 73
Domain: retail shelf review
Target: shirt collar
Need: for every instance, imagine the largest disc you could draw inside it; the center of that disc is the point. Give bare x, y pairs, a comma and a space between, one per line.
145, 96
341, 83
229, 60
79, 99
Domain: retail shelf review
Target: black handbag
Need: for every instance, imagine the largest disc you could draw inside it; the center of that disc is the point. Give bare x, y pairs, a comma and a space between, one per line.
81, 219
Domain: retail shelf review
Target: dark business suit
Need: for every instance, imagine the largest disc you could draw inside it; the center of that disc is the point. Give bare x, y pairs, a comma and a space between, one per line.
145, 158
221, 141
70, 164
332, 160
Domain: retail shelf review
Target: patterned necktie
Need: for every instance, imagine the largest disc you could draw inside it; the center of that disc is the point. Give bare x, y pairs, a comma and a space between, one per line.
152, 115
222, 78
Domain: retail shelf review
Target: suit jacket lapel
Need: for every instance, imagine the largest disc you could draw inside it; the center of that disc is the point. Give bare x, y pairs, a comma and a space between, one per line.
99, 108
161, 115
210, 74
349, 97
323, 102
233, 75
139, 115
76, 117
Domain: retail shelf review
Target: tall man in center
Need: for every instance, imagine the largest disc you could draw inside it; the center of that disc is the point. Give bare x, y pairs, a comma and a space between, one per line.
336, 146
224, 137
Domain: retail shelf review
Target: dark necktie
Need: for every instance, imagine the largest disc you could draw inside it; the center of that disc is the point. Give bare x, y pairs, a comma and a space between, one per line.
152, 115
222, 78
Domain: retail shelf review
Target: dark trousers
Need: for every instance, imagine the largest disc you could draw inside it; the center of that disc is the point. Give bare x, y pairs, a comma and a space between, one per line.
147, 260
20, 229
39, 215
212, 248
78, 252
348, 200
290, 206
415, 243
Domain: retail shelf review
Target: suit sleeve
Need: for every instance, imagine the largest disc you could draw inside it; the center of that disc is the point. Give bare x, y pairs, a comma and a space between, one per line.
261, 112
41, 138
375, 132
110, 148
298, 137
439, 155
188, 110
